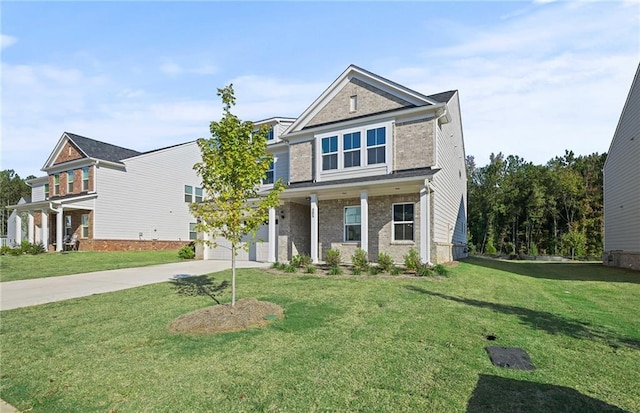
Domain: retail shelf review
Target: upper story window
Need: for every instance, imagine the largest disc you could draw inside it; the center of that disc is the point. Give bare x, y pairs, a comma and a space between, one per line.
268, 179
198, 194
46, 191
56, 184
403, 222
270, 135
352, 228
85, 178
376, 146
70, 182
188, 193
351, 148
329, 153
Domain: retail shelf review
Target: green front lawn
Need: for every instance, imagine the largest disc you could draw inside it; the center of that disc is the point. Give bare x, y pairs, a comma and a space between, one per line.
53, 264
346, 344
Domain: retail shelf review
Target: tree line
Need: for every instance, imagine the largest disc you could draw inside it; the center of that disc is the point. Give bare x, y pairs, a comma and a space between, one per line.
517, 208
12, 188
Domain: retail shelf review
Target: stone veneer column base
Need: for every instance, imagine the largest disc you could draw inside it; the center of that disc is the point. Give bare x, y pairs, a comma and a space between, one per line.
622, 259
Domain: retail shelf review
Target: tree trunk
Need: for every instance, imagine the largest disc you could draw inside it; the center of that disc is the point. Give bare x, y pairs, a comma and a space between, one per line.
233, 275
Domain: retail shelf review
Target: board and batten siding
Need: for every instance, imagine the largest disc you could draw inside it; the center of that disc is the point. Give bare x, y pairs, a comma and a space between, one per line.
450, 183
146, 201
622, 178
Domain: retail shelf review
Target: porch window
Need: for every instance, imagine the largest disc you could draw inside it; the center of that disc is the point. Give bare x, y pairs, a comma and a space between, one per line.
269, 175
85, 225
70, 182
198, 194
351, 147
56, 184
329, 153
85, 178
193, 234
352, 229
376, 141
188, 193
403, 222
46, 191
67, 226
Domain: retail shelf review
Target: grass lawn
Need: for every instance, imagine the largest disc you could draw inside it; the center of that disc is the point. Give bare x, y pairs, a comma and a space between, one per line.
53, 264
346, 344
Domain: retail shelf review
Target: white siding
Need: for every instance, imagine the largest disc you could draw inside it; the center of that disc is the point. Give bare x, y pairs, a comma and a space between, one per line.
450, 183
281, 159
37, 192
147, 198
622, 179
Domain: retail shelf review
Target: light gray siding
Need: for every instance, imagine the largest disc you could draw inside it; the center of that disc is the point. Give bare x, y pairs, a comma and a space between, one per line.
37, 192
281, 159
146, 201
450, 183
622, 178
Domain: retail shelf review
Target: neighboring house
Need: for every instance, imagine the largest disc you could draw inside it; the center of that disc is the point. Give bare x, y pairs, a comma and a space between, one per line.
113, 198
17, 225
622, 187
370, 164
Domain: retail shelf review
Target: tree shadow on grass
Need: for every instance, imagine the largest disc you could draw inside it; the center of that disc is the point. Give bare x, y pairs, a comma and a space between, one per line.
199, 285
564, 271
542, 320
494, 394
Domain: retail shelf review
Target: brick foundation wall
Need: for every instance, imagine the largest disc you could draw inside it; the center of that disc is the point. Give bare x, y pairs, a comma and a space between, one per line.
129, 245
622, 259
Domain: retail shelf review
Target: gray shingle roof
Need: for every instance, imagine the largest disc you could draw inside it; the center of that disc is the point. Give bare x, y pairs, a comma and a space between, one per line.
442, 97
101, 150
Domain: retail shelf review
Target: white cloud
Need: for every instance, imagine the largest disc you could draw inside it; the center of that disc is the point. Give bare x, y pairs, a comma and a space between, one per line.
174, 69
6, 41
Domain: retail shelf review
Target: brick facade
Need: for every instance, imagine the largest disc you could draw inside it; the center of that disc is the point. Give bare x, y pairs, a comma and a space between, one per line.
77, 183
294, 230
370, 100
130, 245
68, 153
301, 166
413, 145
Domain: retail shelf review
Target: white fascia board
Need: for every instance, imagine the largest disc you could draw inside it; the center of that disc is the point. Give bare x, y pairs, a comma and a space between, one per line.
366, 184
62, 167
56, 151
38, 180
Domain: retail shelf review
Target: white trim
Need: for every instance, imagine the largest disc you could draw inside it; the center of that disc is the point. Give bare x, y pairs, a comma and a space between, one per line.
314, 228
364, 221
412, 222
344, 225
271, 252
425, 226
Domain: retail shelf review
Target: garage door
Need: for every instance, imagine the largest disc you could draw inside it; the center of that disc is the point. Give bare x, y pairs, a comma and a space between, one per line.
258, 251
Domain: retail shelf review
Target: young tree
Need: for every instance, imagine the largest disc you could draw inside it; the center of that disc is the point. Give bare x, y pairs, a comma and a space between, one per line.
234, 160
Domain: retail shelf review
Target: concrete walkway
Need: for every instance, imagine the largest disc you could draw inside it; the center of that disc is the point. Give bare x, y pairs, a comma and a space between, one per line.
16, 294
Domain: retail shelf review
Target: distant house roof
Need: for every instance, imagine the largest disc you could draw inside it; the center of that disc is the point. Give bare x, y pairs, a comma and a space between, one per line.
101, 150
442, 97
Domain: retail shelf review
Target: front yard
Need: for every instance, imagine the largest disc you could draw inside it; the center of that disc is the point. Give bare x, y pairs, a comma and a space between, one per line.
346, 344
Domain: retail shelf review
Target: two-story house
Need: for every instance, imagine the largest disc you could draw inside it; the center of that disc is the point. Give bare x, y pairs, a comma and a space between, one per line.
113, 198
370, 164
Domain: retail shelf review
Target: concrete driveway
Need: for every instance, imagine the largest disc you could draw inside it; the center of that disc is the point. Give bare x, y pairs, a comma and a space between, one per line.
16, 294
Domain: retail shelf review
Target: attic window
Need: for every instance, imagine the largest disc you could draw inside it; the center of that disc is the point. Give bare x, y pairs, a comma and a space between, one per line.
353, 103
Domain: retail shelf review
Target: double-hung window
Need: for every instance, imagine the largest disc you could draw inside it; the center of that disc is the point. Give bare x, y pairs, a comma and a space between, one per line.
56, 184
376, 146
352, 229
85, 178
198, 194
85, 225
351, 149
193, 234
270, 135
329, 153
403, 222
67, 226
70, 182
46, 191
268, 179
188, 193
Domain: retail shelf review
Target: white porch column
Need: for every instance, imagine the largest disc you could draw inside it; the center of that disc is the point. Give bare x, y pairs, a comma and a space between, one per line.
30, 227
59, 229
44, 218
425, 226
271, 253
314, 228
18, 228
364, 221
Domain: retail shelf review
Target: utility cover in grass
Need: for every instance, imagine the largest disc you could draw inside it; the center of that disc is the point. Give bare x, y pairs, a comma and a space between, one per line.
247, 313
510, 357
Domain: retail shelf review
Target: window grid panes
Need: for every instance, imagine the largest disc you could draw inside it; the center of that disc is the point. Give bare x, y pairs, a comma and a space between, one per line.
268, 179
270, 135
56, 184
85, 178
352, 228
403, 222
376, 141
198, 194
188, 193
46, 191
70, 182
351, 148
330, 153
193, 235
85, 225
67, 226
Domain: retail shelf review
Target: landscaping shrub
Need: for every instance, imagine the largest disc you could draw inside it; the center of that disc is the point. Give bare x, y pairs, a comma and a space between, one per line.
360, 261
373, 270
187, 252
335, 270
301, 260
441, 269
35, 249
5, 249
290, 268
333, 258
385, 262
394, 270
355, 271
423, 271
311, 269
412, 260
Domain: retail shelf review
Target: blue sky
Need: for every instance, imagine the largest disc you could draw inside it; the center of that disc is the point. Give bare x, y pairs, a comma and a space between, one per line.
535, 78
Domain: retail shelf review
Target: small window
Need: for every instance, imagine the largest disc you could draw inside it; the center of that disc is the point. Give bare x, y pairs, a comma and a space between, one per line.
193, 234
269, 175
56, 184
67, 226
85, 178
270, 135
70, 182
330, 153
46, 191
351, 147
85, 225
352, 229
403, 222
198, 194
376, 141
353, 103
188, 193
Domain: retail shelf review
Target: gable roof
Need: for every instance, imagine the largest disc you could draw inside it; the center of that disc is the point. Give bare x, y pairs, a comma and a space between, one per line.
100, 150
354, 72
443, 97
